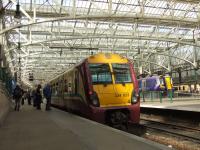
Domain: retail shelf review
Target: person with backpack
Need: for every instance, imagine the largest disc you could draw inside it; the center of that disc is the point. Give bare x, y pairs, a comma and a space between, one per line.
17, 94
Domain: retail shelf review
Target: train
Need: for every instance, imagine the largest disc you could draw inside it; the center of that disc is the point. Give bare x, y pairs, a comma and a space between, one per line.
156, 83
102, 87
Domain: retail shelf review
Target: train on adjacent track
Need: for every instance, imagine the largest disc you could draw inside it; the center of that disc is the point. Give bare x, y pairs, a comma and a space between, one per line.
156, 83
103, 88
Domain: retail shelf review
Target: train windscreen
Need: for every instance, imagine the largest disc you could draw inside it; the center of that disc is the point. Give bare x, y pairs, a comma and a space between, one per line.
100, 73
121, 73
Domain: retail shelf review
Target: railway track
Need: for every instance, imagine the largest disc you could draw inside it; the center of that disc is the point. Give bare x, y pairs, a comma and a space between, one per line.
181, 131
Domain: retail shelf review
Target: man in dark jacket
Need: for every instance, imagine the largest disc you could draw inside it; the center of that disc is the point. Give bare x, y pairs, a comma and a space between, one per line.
47, 94
38, 97
17, 94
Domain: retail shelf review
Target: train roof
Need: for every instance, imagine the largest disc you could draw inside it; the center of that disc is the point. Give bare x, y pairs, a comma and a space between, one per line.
107, 58
154, 77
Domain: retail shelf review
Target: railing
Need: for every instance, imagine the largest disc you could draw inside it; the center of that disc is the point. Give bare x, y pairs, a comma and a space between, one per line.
170, 96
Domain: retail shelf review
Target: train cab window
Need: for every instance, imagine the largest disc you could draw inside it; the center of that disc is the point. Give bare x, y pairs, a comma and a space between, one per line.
121, 73
100, 73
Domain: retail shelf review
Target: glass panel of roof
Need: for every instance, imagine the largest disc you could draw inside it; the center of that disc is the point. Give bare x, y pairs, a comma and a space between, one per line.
124, 8
181, 6
191, 15
66, 2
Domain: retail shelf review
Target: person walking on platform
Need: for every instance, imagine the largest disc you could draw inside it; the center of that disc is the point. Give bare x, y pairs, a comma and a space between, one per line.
47, 94
33, 97
28, 96
17, 94
38, 97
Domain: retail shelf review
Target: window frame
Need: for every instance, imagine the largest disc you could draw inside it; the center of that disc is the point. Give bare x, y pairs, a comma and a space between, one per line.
109, 71
114, 74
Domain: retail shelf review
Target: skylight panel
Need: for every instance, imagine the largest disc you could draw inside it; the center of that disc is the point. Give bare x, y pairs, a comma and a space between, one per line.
122, 27
144, 28
164, 30
24, 1
182, 6
151, 3
79, 3
80, 24
114, 6
191, 15
91, 25
148, 10
129, 2
162, 4
115, 1
66, 2
178, 13
5, 2
103, 5
124, 8
179, 6
154, 43
100, 0
85, 4
133, 2
157, 4
103, 26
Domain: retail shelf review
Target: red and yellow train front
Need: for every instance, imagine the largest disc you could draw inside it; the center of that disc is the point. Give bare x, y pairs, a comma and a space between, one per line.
113, 96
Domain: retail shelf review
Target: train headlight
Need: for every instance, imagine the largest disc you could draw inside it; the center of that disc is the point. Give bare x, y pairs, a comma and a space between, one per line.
95, 102
94, 99
134, 98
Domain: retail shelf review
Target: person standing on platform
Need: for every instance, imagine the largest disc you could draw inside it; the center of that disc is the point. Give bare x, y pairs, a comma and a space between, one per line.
38, 97
17, 95
47, 94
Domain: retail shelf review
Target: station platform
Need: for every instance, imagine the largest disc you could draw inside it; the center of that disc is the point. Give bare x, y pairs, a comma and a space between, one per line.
33, 129
184, 104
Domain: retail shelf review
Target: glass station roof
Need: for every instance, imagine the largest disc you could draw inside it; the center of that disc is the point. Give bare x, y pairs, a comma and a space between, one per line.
54, 34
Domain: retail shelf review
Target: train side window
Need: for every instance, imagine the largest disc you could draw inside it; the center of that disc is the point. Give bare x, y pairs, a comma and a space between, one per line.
76, 82
69, 87
66, 86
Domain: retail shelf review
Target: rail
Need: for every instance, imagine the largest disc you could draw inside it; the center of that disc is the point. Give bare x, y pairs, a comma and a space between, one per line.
181, 131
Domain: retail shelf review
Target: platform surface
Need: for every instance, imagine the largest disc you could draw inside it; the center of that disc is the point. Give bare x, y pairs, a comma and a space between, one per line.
31, 129
185, 104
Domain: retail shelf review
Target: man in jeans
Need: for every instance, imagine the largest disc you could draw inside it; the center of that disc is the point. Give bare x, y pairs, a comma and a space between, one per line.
47, 94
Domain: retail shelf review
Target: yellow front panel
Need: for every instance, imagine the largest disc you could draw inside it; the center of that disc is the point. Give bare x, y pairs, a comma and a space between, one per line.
114, 94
